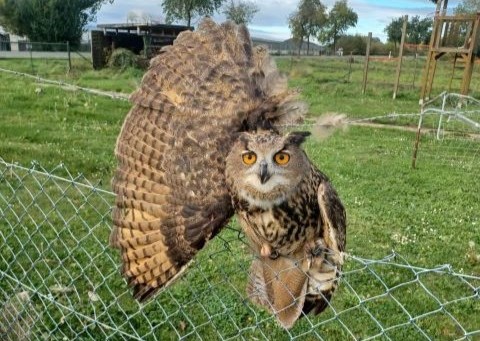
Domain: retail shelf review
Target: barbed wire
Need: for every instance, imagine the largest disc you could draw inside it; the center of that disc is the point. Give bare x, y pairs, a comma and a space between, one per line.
59, 280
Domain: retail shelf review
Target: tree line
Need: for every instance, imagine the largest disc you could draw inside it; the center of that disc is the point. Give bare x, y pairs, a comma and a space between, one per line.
311, 20
66, 20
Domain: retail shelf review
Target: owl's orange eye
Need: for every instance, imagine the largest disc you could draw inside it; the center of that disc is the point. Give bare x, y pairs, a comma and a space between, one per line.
249, 158
281, 158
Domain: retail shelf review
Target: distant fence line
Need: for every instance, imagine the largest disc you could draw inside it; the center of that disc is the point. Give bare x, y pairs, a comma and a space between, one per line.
38, 46
23, 49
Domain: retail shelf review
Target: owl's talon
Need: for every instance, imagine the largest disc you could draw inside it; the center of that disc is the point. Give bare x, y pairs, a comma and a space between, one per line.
274, 254
315, 249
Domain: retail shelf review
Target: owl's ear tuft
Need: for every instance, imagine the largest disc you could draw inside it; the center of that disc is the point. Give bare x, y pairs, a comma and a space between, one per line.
296, 137
242, 137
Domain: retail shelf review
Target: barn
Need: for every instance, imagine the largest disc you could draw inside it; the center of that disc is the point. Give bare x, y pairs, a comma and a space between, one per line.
143, 39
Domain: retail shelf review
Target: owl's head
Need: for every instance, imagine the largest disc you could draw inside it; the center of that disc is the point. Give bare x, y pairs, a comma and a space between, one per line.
265, 168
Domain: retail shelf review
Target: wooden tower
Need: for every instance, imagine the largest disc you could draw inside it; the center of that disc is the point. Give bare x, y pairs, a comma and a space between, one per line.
451, 35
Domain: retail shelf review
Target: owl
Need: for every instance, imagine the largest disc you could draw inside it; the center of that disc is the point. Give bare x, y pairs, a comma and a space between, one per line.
293, 220
209, 102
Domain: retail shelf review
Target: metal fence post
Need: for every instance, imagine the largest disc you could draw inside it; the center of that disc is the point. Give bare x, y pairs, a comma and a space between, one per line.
69, 59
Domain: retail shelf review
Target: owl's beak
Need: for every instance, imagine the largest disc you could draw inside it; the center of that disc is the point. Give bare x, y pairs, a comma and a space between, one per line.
264, 174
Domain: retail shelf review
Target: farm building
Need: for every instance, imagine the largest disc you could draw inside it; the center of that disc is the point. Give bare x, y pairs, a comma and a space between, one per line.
139, 38
12, 42
4, 42
146, 39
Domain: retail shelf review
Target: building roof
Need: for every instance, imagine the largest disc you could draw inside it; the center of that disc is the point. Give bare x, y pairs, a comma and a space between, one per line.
133, 26
152, 30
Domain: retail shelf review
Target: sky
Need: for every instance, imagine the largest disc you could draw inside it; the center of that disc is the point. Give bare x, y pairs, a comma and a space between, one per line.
271, 20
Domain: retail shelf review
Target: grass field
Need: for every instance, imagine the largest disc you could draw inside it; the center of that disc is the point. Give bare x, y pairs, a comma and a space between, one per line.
429, 215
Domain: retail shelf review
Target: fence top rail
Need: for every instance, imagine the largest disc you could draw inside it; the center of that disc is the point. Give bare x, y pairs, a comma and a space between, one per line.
35, 168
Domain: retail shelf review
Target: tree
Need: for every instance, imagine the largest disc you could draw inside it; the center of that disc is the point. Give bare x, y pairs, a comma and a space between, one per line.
297, 27
188, 9
306, 21
340, 18
419, 30
394, 31
468, 7
49, 20
240, 12
355, 44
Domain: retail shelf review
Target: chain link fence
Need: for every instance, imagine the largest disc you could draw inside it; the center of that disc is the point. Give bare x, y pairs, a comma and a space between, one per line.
59, 280
34, 57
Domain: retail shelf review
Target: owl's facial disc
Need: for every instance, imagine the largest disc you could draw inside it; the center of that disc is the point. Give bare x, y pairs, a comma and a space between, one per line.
265, 177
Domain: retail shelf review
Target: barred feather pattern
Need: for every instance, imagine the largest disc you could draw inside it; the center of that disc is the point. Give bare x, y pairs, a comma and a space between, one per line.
171, 197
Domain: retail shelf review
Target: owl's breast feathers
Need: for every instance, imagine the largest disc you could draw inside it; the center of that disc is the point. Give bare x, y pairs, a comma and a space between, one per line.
307, 232
286, 226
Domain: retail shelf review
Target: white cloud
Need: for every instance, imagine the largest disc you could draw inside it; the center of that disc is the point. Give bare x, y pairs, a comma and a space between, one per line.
272, 19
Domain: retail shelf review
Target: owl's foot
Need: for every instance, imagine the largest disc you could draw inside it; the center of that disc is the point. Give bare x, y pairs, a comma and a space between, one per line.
314, 251
266, 250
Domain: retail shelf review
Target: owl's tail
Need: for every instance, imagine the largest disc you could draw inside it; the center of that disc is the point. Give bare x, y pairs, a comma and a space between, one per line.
290, 288
278, 286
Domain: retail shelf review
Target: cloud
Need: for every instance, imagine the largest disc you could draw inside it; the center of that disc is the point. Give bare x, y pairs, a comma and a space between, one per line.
117, 12
272, 19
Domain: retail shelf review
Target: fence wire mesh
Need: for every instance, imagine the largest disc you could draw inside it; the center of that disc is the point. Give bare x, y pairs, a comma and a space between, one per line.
59, 280
450, 125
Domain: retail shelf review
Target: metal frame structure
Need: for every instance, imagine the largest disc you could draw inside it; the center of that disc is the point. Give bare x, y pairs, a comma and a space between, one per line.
454, 112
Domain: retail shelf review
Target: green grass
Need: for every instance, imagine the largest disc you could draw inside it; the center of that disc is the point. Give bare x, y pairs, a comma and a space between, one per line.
325, 83
51, 125
429, 215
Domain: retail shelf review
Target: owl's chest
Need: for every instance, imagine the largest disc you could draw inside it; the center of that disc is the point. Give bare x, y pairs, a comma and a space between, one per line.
284, 228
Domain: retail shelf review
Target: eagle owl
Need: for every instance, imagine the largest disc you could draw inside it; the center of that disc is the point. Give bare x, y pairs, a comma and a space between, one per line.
204, 140
293, 219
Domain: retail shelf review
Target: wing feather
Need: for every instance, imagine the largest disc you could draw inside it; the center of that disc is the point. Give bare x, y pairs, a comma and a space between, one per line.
333, 216
324, 269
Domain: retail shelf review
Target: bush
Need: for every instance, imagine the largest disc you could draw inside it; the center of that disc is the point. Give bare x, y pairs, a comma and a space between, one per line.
352, 44
122, 58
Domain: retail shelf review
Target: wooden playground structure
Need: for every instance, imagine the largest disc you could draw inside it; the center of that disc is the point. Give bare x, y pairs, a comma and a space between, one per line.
458, 36
451, 35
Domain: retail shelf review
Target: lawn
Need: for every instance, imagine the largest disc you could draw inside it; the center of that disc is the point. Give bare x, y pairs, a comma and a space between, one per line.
55, 231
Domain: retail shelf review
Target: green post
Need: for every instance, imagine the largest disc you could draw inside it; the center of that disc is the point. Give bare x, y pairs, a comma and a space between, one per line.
31, 58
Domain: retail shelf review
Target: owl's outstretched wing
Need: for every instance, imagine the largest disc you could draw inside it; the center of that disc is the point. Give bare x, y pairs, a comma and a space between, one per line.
170, 187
